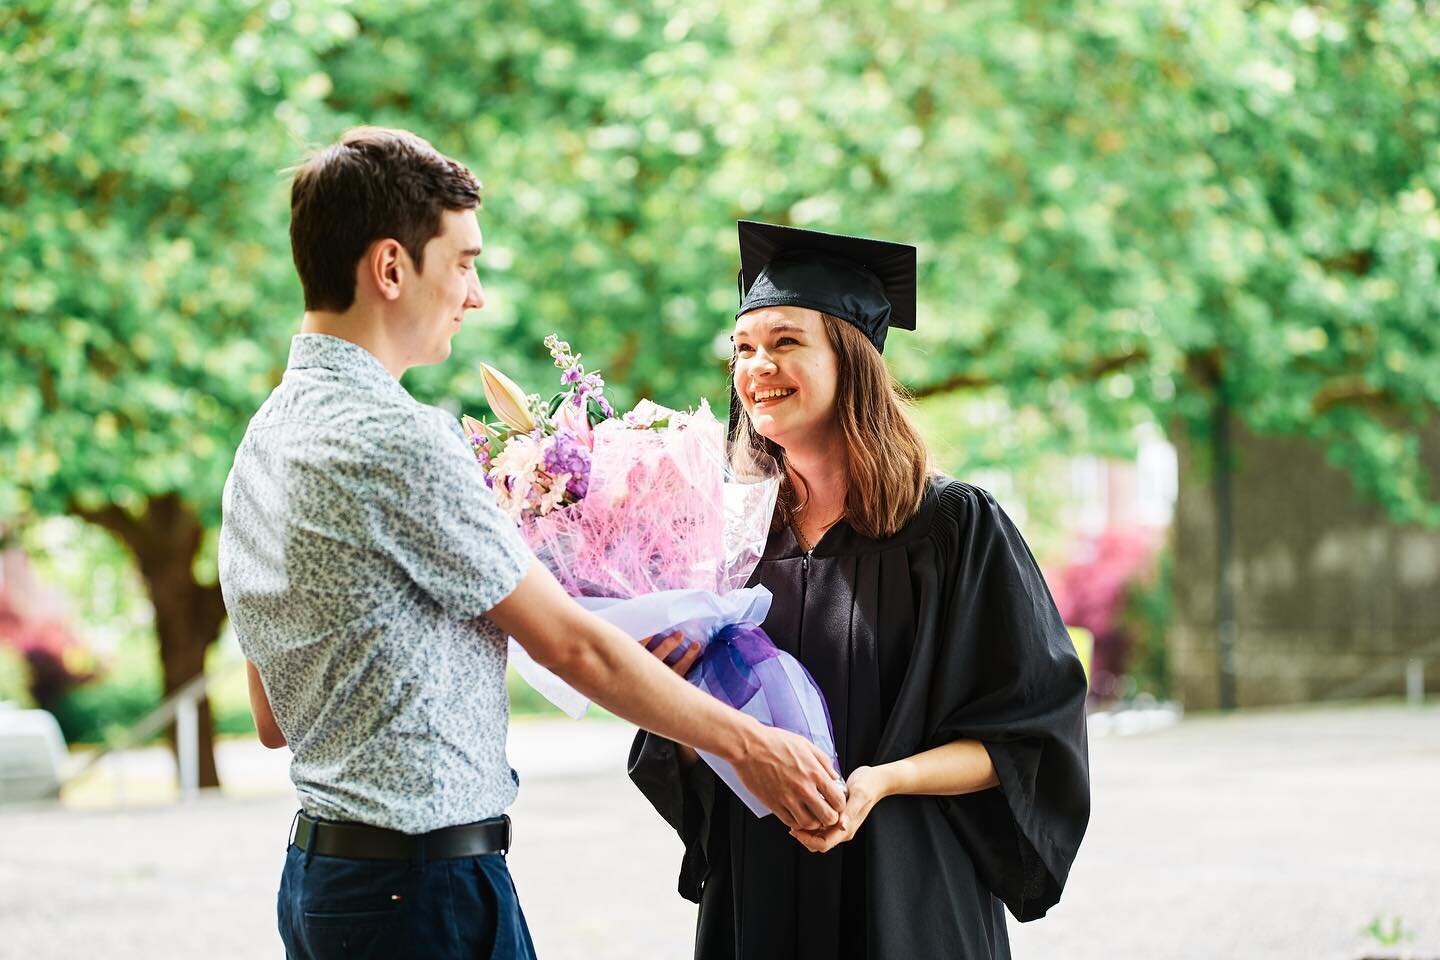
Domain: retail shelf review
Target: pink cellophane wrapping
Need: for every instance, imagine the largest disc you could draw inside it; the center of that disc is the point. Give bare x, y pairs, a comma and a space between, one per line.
666, 538
659, 515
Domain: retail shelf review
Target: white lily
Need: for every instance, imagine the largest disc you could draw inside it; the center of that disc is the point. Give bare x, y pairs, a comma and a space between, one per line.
506, 399
472, 427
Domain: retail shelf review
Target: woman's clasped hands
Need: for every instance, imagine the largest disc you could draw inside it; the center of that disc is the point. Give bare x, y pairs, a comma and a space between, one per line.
865, 787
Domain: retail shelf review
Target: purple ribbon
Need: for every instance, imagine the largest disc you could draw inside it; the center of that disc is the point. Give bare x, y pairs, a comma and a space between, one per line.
740, 661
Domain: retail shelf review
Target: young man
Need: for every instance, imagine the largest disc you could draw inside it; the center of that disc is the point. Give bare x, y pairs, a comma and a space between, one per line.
371, 581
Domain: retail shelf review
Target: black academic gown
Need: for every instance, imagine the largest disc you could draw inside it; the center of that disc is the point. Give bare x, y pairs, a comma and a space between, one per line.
942, 632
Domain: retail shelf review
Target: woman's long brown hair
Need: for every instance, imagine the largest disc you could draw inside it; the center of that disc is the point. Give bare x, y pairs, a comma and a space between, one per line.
887, 462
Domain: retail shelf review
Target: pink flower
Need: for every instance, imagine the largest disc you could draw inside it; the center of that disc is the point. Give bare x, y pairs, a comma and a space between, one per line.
554, 496
571, 416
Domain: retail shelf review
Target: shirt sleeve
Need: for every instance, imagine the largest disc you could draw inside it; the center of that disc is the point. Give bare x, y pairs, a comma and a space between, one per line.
440, 521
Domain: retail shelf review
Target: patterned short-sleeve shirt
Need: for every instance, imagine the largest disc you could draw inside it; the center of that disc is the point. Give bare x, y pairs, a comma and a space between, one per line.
359, 552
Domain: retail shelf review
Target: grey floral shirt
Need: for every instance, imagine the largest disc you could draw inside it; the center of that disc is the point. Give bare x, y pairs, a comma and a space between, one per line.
359, 552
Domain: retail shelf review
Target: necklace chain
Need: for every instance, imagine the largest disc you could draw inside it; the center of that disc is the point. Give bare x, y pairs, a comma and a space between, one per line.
806, 544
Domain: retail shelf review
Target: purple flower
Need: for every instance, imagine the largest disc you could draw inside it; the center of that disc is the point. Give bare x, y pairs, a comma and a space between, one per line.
564, 452
480, 446
593, 385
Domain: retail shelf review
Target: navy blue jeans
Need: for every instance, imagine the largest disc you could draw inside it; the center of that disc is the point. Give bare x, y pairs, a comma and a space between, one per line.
337, 907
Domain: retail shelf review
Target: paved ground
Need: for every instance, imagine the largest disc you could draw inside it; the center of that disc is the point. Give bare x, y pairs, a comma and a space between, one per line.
1275, 835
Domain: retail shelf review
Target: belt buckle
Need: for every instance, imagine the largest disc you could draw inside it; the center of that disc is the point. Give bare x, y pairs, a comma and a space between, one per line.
509, 833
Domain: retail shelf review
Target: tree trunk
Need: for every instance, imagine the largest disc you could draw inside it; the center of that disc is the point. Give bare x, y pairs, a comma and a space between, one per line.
165, 541
1222, 473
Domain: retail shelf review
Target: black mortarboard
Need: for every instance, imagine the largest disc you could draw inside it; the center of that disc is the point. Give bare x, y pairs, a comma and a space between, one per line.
868, 283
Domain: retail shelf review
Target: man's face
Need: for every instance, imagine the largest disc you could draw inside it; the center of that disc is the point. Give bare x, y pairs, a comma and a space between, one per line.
435, 299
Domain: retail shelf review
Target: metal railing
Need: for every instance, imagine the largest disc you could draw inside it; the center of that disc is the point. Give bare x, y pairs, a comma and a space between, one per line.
1409, 667
183, 709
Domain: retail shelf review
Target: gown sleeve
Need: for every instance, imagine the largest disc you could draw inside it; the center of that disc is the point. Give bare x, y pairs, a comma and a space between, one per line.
685, 798
1024, 699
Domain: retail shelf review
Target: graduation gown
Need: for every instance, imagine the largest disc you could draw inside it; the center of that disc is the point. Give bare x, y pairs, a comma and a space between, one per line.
944, 631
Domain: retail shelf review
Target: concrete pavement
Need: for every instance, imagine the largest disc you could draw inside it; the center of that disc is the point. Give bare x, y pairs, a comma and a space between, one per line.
1270, 835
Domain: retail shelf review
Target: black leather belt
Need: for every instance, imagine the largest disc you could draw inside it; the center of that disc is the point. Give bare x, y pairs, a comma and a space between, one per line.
358, 841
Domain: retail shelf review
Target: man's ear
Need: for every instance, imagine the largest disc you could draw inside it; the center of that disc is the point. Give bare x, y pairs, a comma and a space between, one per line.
383, 266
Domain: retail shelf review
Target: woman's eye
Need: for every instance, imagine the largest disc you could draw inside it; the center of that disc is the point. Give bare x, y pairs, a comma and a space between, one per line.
785, 340
742, 348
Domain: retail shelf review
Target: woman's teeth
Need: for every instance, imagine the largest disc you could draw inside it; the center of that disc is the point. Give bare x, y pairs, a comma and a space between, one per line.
772, 394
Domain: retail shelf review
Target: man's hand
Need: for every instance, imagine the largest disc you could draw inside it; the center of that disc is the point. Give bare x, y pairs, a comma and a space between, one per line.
674, 650
792, 777
866, 787
787, 773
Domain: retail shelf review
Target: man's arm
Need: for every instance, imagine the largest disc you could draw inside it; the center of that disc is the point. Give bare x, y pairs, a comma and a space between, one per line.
265, 724
788, 773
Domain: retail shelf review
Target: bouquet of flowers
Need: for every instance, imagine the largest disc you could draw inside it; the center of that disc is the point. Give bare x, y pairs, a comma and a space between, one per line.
640, 519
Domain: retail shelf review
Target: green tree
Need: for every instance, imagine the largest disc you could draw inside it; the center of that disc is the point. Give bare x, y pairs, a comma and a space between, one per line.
147, 292
1126, 211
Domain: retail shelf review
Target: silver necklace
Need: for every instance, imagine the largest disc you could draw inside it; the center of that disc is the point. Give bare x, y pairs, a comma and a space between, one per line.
806, 544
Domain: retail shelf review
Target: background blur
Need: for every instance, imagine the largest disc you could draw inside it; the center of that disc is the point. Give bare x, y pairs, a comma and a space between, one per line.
1179, 303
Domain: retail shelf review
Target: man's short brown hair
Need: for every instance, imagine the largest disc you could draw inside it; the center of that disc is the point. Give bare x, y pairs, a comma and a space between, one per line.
374, 184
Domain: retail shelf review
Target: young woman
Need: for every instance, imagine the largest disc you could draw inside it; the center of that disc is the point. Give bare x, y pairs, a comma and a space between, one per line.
955, 693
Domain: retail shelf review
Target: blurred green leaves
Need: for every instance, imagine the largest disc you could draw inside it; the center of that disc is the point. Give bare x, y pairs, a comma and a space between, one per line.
1124, 208
144, 210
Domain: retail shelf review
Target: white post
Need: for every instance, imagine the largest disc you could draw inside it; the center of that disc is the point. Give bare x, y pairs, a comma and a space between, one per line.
187, 745
1415, 682
117, 764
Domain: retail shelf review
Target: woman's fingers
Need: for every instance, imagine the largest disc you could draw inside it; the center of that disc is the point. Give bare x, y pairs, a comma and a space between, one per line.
674, 650
687, 660
667, 647
823, 841
663, 644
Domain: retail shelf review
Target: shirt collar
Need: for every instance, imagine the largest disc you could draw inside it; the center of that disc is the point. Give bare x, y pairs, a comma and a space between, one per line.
350, 360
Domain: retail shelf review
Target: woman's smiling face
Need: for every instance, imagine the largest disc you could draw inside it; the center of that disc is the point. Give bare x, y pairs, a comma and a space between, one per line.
786, 373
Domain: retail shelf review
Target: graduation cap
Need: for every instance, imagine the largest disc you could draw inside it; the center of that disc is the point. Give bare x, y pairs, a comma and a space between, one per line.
867, 283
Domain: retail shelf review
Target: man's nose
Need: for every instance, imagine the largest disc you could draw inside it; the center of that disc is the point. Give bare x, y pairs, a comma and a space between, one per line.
475, 295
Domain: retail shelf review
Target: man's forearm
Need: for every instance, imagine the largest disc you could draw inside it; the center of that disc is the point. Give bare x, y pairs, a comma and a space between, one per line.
616, 672
786, 773
265, 726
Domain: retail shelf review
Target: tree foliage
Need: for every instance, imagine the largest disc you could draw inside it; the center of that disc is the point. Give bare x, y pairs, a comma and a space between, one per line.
1121, 206
1126, 210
